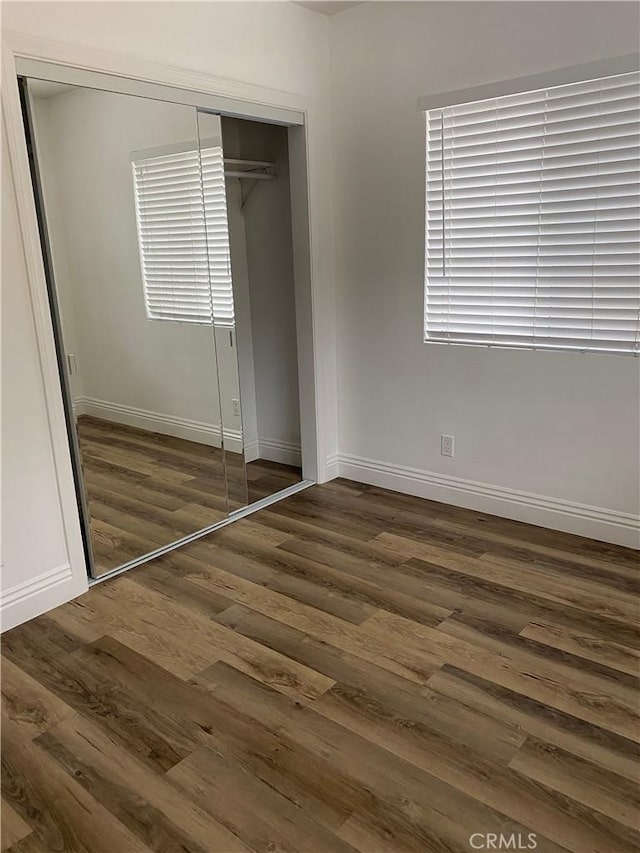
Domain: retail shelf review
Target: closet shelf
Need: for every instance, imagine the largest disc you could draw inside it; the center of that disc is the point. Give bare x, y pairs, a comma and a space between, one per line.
256, 170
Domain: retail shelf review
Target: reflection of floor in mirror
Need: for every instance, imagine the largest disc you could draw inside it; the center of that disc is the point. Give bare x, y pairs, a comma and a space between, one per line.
262, 478
146, 490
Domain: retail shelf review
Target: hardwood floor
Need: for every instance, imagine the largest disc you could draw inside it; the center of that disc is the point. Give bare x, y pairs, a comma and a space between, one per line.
351, 669
145, 490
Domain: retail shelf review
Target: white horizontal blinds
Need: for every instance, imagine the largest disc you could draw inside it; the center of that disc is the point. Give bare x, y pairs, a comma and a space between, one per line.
217, 233
532, 218
185, 256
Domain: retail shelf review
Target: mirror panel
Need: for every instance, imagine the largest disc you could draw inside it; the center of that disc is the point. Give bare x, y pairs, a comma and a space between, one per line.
122, 198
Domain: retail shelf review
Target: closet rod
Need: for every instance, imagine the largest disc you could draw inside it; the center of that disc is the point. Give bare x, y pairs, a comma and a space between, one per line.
260, 170
255, 176
253, 163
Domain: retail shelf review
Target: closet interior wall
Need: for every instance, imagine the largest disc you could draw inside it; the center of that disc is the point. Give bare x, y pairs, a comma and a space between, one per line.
259, 216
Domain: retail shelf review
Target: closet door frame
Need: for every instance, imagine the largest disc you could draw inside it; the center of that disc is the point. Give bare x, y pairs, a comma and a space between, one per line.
29, 56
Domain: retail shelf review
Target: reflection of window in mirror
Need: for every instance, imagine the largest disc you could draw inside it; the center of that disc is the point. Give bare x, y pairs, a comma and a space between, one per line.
183, 242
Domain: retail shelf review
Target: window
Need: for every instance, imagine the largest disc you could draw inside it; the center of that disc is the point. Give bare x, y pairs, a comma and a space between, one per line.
184, 244
532, 219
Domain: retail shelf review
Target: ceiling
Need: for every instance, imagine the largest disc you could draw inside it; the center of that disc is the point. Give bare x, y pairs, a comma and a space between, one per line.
328, 7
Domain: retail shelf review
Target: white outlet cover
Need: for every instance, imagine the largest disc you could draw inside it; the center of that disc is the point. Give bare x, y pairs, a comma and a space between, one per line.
447, 445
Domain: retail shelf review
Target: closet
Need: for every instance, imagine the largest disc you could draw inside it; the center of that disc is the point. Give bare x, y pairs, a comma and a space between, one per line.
167, 240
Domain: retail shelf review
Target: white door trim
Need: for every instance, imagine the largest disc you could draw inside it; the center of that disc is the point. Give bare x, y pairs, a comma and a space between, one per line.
223, 104
50, 587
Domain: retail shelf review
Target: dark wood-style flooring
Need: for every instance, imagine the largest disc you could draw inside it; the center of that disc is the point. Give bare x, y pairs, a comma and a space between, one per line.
351, 669
145, 490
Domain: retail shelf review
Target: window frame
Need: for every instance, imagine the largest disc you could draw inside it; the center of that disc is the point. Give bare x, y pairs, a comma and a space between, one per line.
520, 85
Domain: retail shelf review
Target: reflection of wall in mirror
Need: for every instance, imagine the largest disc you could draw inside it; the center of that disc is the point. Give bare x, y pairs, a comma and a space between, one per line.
158, 375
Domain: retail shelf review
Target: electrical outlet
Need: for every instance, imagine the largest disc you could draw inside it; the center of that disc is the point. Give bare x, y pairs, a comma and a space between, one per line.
447, 444
235, 405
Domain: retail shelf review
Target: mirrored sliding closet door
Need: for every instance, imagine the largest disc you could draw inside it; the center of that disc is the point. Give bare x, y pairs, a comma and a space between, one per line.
122, 196
170, 272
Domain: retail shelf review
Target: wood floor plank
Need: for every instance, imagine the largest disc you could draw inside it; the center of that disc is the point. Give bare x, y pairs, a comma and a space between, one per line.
14, 828
378, 775
30, 844
581, 780
197, 714
27, 703
360, 577
586, 594
531, 545
151, 808
585, 696
514, 533
583, 680
165, 580
367, 834
248, 807
41, 638
54, 805
514, 609
403, 704
533, 805
177, 653
586, 645
492, 636
387, 652
217, 642
303, 530
327, 520
583, 739
296, 578
95, 695
349, 669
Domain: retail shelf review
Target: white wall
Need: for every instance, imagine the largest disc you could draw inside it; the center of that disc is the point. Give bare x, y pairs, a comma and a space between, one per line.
271, 44
559, 425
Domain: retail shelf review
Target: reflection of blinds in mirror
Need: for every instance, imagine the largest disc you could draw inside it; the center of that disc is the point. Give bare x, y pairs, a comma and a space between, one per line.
184, 247
532, 219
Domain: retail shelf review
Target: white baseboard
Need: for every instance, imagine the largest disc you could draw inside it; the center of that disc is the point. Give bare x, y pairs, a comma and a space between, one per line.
233, 440
38, 595
273, 450
284, 452
594, 522
333, 467
191, 430
252, 450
